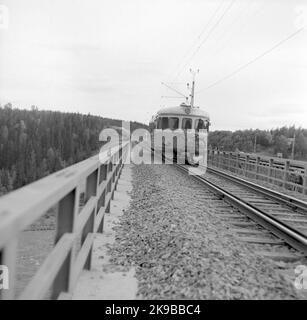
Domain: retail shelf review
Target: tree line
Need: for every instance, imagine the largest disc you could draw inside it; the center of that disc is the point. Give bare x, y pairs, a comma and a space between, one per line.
266, 142
35, 143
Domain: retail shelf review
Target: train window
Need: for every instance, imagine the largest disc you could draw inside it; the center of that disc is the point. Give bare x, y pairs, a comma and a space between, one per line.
186, 123
200, 124
173, 123
165, 123
168, 123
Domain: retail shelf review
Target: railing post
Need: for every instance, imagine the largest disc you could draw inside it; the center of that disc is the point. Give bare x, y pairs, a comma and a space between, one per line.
117, 171
113, 165
246, 167
110, 166
91, 190
208, 156
287, 166
97, 186
101, 203
91, 185
88, 228
113, 180
66, 223
257, 167
237, 162
215, 158
271, 169
103, 172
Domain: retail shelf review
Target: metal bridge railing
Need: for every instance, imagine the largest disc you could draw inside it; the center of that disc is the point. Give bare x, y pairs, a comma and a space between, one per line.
287, 174
19, 209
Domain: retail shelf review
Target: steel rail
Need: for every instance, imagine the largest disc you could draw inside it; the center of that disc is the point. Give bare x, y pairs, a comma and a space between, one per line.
290, 201
290, 235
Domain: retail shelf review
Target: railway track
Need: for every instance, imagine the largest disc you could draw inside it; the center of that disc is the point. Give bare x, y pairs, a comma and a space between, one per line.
260, 215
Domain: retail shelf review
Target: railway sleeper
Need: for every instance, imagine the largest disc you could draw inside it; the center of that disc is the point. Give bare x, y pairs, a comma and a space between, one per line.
280, 256
251, 231
259, 240
243, 224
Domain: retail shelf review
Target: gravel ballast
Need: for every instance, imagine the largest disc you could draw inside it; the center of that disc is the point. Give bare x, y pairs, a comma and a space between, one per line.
181, 250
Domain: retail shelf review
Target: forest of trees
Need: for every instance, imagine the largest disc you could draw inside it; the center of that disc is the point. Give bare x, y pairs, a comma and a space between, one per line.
36, 143
268, 142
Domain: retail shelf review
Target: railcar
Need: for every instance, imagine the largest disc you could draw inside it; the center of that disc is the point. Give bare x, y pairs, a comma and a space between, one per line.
187, 119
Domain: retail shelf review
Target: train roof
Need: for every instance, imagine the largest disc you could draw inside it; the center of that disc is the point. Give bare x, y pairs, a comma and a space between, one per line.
183, 110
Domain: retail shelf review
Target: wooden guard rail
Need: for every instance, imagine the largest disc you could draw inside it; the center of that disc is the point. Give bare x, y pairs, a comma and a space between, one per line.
19, 209
288, 174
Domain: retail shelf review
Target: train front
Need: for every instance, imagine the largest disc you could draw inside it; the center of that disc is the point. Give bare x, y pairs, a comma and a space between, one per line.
183, 131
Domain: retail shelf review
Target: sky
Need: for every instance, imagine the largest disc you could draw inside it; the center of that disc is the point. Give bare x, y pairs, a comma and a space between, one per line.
109, 58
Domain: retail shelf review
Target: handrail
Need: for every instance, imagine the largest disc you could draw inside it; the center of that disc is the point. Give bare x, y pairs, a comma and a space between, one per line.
263, 157
20, 208
275, 171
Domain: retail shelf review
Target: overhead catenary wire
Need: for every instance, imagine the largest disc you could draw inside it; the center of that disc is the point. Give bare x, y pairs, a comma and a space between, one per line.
235, 21
171, 97
201, 33
173, 89
240, 68
207, 37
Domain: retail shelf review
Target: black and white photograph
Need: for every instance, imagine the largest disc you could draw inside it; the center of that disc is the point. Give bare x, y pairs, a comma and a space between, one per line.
153, 153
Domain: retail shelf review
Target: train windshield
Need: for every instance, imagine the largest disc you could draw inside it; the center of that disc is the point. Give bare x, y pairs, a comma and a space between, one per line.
168, 123
186, 123
200, 124
173, 123
164, 123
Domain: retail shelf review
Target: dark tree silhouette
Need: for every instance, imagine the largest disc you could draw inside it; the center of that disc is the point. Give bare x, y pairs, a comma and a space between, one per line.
36, 143
268, 142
